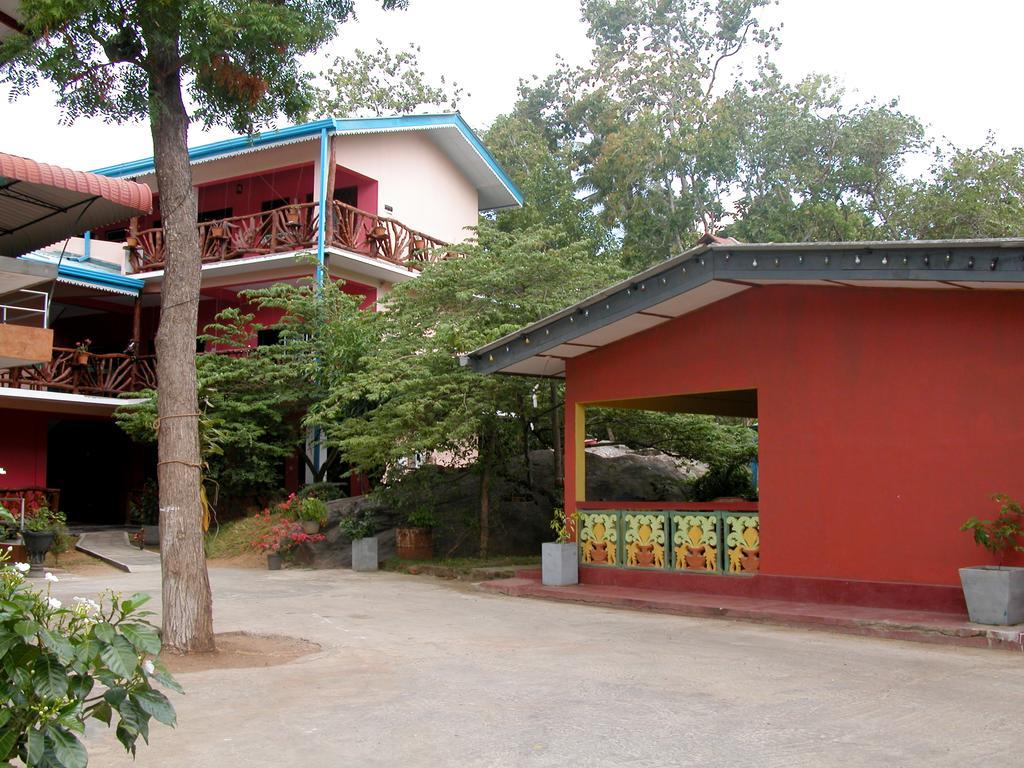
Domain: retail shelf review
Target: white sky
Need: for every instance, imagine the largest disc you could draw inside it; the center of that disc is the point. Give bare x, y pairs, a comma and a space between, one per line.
954, 65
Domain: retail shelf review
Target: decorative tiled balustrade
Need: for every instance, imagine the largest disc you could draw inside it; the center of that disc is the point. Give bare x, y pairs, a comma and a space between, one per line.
719, 541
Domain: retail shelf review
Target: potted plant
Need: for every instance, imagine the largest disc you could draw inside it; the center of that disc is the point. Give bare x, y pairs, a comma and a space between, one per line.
559, 564
279, 538
415, 539
995, 593
144, 511
40, 530
82, 351
311, 514
360, 528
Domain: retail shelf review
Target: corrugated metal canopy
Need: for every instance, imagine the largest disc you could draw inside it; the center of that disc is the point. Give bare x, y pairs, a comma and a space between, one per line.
41, 204
715, 271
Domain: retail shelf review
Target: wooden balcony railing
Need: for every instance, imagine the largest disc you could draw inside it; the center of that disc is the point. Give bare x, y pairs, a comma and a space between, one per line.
105, 375
294, 228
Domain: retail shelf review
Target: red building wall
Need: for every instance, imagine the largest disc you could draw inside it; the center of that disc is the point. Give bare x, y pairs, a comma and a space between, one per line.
886, 417
23, 448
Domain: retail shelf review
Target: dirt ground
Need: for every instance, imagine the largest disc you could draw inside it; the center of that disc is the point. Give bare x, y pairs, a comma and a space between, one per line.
242, 650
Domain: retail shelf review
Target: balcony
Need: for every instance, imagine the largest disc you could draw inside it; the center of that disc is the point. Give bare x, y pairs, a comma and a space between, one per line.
24, 337
84, 373
293, 228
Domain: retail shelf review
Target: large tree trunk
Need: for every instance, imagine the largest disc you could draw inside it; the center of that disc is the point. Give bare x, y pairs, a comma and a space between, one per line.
187, 602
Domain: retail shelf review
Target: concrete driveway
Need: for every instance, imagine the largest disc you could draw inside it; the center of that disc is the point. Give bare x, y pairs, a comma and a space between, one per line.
415, 672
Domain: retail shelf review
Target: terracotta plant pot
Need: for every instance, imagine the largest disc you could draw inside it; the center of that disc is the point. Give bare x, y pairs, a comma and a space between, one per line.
379, 232
414, 543
291, 217
274, 561
81, 358
310, 527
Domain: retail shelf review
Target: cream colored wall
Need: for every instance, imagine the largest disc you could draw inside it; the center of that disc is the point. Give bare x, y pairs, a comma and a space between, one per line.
427, 192
267, 159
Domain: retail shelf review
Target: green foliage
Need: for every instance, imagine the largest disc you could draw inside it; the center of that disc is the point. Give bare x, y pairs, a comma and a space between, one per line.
240, 60
971, 193
322, 491
560, 524
313, 510
362, 524
421, 517
375, 83
809, 165
44, 519
1002, 535
416, 396
62, 667
254, 399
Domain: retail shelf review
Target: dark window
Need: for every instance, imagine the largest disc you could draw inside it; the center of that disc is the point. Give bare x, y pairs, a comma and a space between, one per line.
116, 235
200, 346
269, 205
268, 337
215, 215
347, 195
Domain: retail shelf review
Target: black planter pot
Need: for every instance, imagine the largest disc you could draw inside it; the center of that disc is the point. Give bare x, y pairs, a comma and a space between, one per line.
37, 544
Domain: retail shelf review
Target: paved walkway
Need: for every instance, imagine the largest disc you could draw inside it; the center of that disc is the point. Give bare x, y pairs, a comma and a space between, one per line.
417, 672
920, 626
115, 548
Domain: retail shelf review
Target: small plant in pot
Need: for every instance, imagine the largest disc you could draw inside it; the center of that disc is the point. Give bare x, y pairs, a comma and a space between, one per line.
415, 539
279, 537
995, 593
311, 514
40, 531
559, 562
360, 528
82, 351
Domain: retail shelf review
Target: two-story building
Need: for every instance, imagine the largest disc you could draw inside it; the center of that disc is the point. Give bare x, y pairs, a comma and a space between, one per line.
374, 200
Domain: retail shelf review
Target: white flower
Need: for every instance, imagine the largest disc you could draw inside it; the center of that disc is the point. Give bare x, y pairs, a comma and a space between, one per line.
22, 567
50, 577
149, 667
86, 605
54, 603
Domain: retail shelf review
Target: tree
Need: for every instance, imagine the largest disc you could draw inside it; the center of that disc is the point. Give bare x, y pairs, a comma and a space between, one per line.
810, 166
254, 400
418, 398
374, 83
645, 116
239, 61
971, 193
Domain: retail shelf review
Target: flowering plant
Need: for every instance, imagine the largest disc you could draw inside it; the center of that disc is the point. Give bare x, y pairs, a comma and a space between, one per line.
83, 346
281, 535
54, 659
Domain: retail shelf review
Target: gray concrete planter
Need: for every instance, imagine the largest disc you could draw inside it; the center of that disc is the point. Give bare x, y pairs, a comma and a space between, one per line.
364, 554
151, 535
994, 595
558, 565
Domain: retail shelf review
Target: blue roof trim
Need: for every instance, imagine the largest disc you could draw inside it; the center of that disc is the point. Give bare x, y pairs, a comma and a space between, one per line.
312, 130
84, 275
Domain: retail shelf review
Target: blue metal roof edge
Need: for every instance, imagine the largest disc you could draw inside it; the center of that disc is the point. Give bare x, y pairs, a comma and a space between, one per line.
120, 282
334, 125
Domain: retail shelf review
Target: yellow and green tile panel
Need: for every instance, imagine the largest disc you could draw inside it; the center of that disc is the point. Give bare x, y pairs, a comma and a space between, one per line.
715, 541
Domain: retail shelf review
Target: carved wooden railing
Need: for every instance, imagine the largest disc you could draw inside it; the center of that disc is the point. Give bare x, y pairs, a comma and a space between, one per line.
68, 370
295, 228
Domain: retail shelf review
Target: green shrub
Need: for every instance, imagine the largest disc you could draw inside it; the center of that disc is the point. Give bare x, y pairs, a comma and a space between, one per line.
54, 660
312, 509
322, 491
